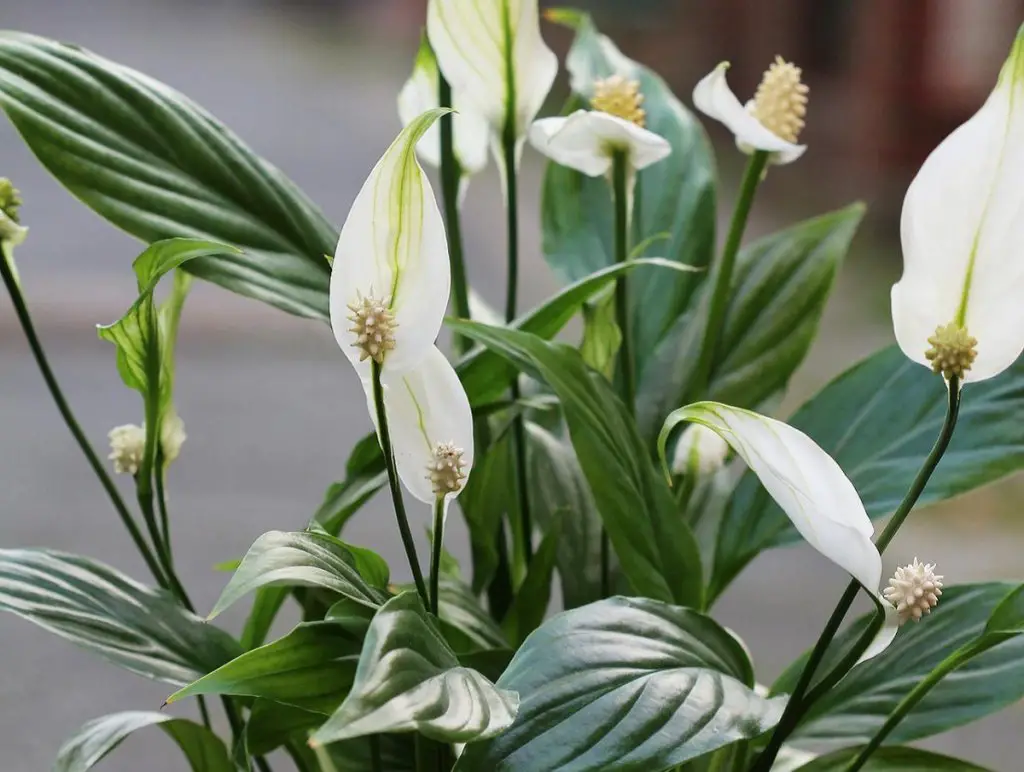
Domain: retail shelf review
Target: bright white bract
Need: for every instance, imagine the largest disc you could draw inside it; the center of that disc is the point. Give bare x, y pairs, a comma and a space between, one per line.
963, 234
479, 44
587, 139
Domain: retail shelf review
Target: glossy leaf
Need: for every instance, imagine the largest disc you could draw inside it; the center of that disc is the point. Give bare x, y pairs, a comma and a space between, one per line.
854, 710
92, 605
656, 549
879, 420
310, 668
157, 165
891, 759
204, 750
674, 196
626, 684
409, 679
300, 559
780, 287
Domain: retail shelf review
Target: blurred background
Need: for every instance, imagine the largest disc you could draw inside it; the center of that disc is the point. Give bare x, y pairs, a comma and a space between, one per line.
270, 406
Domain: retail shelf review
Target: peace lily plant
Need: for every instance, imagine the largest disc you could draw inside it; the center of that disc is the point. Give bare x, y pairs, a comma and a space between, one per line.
547, 447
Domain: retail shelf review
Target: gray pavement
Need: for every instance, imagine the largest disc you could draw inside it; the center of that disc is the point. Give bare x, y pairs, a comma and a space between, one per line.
270, 406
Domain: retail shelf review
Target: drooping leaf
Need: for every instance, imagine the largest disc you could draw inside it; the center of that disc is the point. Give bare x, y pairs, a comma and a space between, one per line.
675, 196
879, 420
656, 549
891, 759
310, 668
534, 594
92, 605
300, 559
409, 679
203, 750
625, 684
157, 165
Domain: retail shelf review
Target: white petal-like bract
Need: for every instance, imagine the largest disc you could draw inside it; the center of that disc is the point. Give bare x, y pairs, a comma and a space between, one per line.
586, 140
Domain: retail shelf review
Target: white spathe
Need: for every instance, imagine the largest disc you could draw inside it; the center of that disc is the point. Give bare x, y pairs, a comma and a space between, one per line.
482, 45
425, 406
393, 248
713, 97
806, 483
587, 139
471, 136
963, 234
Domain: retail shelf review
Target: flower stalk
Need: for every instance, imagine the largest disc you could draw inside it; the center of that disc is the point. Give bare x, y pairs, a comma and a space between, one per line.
436, 547
451, 173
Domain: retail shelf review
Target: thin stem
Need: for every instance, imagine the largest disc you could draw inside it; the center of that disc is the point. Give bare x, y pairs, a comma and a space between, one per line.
723, 277
451, 174
395, 485
21, 310
437, 544
161, 502
852, 657
204, 712
797, 704
376, 765
144, 494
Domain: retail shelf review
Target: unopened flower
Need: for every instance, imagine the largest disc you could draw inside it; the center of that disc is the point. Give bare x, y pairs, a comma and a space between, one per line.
172, 437
771, 121
127, 448
699, 452
963, 239
914, 590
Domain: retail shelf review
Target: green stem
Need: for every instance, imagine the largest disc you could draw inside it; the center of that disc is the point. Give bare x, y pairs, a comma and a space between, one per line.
797, 705
396, 487
723, 277
437, 544
204, 713
28, 328
451, 174
161, 502
851, 658
956, 660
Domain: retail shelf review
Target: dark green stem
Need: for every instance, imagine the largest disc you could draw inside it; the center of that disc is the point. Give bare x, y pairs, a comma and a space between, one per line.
161, 502
204, 712
723, 276
436, 545
396, 486
21, 310
846, 664
797, 705
451, 174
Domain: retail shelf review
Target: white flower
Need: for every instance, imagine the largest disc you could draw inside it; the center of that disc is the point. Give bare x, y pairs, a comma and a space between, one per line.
700, 451
390, 278
127, 447
963, 238
172, 436
588, 139
914, 590
470, 131
491, 50
771, 121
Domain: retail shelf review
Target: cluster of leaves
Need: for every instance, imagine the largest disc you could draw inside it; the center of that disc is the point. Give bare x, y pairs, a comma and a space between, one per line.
647, 682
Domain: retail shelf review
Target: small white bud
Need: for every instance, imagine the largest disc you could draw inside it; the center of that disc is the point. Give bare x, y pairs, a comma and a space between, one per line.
172, 437
699, 452
127, 447
914, 590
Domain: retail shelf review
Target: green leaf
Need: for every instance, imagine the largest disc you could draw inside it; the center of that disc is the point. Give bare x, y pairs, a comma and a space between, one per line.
271, 724
855, 709
483, 503
310, 668
627, 684
656, 549
92, 605
203, 749
534, 594
780, 287
892, 759
410, 680
557, 484
344, 499
265, 605
879, 420
675, 196
466, 625
300, 559
397, 754
157, 165
601, 335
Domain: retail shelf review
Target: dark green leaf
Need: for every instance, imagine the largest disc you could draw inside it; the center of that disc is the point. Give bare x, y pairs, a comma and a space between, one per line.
203, 749
310, 668
410, 680
344, 499
92, 605
656, 549
466, 625
157, 165
483, 503
626, 684
855, 709
1008, 617
780, 287
534, 594
266, 602
893, 759
272, 724
879, 421
397, 754
301, 559
675, 196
